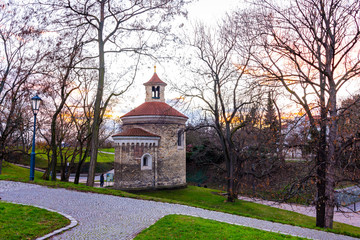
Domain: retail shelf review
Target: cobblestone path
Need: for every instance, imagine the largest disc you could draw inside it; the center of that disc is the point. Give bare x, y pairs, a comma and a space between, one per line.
110, 217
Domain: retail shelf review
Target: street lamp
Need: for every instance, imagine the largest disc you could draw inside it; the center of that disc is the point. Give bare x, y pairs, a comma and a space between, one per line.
35, 104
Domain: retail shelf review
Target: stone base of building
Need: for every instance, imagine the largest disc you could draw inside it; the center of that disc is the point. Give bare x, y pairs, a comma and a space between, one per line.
158, 187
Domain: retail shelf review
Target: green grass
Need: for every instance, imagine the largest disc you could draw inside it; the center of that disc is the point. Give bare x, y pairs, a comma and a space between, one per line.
14, 173
105, 161
104, 157
213, 200
192, 196
186, 227
107, 150
26, 222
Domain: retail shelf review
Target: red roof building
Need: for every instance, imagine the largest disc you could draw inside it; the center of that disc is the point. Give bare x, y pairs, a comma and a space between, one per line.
150, 151
154, 109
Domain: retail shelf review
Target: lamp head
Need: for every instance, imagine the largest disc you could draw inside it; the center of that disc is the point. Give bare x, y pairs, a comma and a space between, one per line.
35, 103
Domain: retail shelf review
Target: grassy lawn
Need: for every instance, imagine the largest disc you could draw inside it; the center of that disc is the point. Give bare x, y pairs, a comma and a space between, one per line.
186, 227
213, 200
19, 174
112, 150
26, 222
192, 196
105, 161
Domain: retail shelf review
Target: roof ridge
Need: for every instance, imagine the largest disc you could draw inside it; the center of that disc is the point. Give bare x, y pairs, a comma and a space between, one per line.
138, 132
155, 80
154, 108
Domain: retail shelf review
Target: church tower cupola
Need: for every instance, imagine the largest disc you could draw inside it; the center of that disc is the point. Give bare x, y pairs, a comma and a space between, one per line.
155, 89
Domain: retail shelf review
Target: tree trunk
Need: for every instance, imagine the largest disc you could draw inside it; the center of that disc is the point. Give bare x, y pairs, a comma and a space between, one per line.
231, 185
330, 181
53, 146
62, 164
82, 158
78, 169
71, 165
232, 193
321, 180
99, 95
2, 150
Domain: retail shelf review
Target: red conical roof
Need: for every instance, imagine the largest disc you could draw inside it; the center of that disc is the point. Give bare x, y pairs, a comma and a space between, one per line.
155, 80
136, 132
154, 108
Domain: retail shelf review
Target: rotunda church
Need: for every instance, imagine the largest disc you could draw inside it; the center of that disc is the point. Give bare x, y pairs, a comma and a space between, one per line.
150, 151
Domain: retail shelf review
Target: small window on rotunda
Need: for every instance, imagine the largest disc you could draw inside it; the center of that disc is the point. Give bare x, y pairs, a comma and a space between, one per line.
180, 139
146, 161
155, 92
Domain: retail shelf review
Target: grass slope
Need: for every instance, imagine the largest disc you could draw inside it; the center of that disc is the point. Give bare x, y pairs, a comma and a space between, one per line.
107, 150
105, 161
192, 196
14, 173
186, 227
213, 200
26, 222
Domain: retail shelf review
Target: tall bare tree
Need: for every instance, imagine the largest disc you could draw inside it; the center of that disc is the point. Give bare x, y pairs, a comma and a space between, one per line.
220, 83
113, 27
312, 48
20, 57
59, 82
81, 111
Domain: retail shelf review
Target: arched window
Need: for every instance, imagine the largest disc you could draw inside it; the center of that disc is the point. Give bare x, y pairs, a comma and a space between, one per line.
180, 138
146, 161
155, 92
158, 92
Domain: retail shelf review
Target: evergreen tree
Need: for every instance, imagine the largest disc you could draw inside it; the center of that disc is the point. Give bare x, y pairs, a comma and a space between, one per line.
270, 120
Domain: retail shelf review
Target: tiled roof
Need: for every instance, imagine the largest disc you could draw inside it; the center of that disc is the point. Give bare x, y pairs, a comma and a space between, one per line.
136, 132
155, 80
154, 108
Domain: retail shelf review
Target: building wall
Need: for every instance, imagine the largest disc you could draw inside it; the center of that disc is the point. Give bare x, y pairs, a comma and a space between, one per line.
168, 165
128, 173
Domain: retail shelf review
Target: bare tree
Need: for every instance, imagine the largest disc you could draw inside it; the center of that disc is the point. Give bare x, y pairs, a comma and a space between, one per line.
59, 83
311, 47
348, 158
110, 25
81, 111
18, 69
220, 83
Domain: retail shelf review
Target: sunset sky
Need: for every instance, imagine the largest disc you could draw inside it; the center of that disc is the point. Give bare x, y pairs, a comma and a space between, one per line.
208, 12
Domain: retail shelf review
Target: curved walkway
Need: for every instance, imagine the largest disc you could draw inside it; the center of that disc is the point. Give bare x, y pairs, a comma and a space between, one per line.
109, 217
343, 215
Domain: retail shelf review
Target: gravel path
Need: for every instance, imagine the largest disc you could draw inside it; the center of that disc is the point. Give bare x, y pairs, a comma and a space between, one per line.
110, 217
343, 215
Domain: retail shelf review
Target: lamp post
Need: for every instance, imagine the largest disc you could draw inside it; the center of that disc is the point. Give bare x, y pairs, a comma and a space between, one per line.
35, 104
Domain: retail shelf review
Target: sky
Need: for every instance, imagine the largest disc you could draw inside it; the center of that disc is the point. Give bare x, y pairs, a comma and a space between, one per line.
207, 11
211, 10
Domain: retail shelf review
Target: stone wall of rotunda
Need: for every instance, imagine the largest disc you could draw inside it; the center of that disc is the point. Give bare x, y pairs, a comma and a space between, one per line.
168, 159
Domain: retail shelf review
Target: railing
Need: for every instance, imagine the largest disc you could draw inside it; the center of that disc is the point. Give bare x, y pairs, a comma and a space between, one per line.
347, 196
